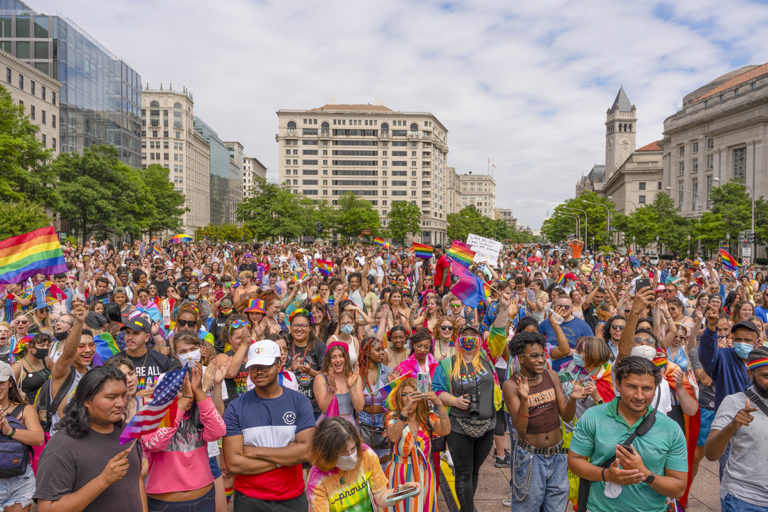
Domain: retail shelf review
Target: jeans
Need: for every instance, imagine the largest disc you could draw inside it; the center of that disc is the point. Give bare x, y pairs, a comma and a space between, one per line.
539, 482
732, 504
468, 454
244, 503
205, 503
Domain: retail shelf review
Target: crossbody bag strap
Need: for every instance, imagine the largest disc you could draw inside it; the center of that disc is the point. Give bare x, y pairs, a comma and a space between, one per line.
756, 400
640, 430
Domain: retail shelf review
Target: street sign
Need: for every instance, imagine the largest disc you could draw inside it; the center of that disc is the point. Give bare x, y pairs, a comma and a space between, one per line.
745, 262
746, 252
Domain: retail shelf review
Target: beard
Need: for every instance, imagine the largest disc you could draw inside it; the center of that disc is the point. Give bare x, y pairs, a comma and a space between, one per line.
762, 391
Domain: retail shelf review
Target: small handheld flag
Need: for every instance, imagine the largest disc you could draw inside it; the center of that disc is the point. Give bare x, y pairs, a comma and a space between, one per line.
728, 261
381, 241
325, 267
461, 253
423, 251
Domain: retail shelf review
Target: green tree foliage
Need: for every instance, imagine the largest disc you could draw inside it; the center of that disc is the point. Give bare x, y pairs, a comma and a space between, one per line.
354, 215
167, 202
274, 212
563, 222
470, 220
658, 219
17, 217
222, 233
404, 218
101, 195
25, 172
731, 213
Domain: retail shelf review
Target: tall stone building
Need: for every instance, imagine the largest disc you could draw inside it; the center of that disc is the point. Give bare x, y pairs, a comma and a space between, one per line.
252, 169
478, 190
372, 151
226, 180
170, 140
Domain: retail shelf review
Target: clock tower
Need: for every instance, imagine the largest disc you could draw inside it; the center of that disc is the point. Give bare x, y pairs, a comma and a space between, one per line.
620, 129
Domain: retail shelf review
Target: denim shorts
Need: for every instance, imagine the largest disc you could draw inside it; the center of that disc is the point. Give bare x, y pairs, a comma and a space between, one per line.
707, 416
17, 489
539, 482
364, 418
729, 503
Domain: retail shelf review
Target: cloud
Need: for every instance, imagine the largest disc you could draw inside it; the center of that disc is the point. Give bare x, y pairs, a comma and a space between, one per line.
525, 84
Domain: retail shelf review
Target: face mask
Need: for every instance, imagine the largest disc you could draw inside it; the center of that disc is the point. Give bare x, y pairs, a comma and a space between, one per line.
192, 296
61, 336
4, 350
347, 329
578, 360
645, 351
743, 349
190, 357
347, 462
40, 353
468, 343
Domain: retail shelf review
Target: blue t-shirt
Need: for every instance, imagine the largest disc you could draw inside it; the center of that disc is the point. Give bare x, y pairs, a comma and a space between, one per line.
270, 423
761, 313
573, 329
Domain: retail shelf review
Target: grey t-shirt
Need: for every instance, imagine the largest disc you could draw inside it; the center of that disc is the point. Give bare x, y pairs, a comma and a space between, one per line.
747, 465
67, 464
706, 393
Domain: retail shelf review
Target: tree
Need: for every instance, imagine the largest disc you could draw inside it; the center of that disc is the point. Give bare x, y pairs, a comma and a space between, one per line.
167, 202
274, 212
100, 194
466, 221
353, 215
404, 218
25, 172
222, 232
21, 217
659, 219
591, 216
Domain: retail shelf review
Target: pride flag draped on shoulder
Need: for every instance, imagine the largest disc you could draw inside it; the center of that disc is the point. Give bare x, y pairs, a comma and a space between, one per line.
23, 256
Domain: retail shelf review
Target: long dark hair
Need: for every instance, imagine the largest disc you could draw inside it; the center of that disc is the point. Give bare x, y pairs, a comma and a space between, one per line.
76, 421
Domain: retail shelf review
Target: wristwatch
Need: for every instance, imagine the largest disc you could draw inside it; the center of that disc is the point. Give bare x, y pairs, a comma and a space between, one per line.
650, 478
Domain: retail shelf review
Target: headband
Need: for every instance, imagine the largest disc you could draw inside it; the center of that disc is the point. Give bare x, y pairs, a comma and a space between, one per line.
757, 363
337, 344
302, 311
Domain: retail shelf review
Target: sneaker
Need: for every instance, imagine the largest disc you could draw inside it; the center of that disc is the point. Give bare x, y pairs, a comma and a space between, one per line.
446, 456
507, 501
502, 462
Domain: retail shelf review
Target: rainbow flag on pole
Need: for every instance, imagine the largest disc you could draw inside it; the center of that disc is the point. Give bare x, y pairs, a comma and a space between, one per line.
156, 250
423, 251
728, 261
380, 241
461, 253
325, 267
23, 256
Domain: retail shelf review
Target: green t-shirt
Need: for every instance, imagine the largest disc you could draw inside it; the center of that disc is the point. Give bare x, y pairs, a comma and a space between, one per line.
596, 435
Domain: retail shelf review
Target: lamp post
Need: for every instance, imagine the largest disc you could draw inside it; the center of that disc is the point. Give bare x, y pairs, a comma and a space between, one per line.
586, 222
658, 247
578, 222
689, 245
607, 216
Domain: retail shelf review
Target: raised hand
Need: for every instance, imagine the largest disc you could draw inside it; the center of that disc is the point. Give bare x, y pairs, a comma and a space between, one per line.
522, 387
744, 417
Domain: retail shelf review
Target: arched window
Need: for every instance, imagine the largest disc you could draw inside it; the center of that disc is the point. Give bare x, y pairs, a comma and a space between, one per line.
291, 125
414, 127
154, 104
177, 105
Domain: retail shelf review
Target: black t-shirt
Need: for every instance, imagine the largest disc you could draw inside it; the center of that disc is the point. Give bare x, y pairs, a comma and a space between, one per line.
98, 298
162, 286
68, 464
590, 316
149, 367
314, 358
237, 385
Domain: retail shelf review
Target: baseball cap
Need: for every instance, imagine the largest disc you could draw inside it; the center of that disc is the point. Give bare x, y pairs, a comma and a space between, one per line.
95, 320
5, 371
745, 324
140, 324
263, 352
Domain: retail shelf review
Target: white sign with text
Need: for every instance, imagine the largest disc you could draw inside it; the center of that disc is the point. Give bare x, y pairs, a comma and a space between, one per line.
486, 250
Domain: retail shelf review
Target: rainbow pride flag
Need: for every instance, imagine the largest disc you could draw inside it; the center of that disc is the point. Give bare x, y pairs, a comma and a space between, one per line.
181, 237
37, 252
561, 279
381, 241
156, 249
300, 277
460, 253
728, 261
325, 267
105, 348
423, 251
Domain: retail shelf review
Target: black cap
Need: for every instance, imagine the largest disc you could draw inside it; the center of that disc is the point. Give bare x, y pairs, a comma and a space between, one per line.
95, 320
140, 324
745, 324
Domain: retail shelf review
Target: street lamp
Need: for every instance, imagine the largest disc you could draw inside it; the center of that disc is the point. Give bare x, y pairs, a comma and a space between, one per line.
586, 222
607, 216
689, 245
752, 228
578, 222
658, 246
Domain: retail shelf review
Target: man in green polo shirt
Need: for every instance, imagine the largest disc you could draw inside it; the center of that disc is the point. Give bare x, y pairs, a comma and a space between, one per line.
640, 479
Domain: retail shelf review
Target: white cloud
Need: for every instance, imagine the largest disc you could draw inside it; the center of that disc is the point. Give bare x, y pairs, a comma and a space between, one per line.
526, 85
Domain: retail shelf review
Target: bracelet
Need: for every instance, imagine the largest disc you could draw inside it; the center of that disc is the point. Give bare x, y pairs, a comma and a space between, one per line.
402, 418
13, 433
187, 396
523, 415
450, 400
602, 474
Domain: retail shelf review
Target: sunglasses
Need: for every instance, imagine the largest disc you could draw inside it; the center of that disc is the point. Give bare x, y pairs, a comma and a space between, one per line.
446, 327
239, 323
186, 323
646, 341
618, 327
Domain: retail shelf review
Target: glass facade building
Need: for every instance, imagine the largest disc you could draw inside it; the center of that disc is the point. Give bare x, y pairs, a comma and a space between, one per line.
100, 99
226, 178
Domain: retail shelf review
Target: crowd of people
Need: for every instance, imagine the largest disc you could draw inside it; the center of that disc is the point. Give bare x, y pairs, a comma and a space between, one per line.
347, 378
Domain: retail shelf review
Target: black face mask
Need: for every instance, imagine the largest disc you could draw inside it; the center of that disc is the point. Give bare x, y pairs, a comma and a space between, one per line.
61, 336
763, 392
40, 353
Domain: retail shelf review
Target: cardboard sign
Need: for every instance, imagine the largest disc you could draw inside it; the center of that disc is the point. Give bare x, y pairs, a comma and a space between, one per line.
486, 250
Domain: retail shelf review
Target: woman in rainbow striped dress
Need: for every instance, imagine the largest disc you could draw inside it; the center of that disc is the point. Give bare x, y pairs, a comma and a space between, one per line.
411, 425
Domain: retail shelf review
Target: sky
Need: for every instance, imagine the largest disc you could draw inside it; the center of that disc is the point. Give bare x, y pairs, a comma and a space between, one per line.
525, 84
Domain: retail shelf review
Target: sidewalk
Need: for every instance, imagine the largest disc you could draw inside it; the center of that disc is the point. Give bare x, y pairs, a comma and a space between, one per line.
494, 484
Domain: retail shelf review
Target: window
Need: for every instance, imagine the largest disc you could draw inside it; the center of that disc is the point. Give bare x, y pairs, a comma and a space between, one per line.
680, 168
43, 116
709, 189
642, 185
695, 165
659, 186
21, 81
53, 142
8, 75
32, 112
740, 163
710, 142
681, 151
694, 193
44, 140
53, 120
53, 98
695, 147
710, 161
32, 87
680, 195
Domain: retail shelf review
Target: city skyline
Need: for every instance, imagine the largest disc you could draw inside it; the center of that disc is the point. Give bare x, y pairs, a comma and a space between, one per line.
526, 86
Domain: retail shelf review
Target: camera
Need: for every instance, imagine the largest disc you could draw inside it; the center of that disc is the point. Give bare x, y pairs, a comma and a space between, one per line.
474, 406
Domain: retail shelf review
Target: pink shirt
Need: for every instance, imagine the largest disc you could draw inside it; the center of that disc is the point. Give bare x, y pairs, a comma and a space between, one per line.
179, 462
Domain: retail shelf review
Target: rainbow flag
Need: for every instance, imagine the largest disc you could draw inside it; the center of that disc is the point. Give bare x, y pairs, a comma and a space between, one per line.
159, 411
300, 277
325, 267
728, 261
156, 250
380, 241
37, 252
561, 279
423, 251
105, 348
461, 253
470, 289
181, 237
316, 299
387, 391
19, 347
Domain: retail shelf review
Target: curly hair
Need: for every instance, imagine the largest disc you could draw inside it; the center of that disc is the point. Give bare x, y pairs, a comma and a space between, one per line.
76, 420
609, 324
522, 339
525, 322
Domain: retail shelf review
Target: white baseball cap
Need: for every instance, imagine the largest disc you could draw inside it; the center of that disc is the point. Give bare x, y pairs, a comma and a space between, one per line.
263, 352
5, 371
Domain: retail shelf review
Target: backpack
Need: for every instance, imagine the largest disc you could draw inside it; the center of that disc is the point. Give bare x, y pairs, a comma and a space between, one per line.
46, 407
14, 455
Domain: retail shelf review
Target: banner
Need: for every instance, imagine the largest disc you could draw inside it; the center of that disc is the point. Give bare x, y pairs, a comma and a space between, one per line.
486, 250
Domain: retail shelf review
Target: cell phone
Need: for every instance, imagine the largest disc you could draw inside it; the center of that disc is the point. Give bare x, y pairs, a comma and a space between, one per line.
642, 283
401, 493
422, 383
628, 447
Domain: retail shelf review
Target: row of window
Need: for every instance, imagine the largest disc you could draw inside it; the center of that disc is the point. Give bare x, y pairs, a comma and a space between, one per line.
32, 86
695, 206
695, 147
739, 163
349, 172
43, 115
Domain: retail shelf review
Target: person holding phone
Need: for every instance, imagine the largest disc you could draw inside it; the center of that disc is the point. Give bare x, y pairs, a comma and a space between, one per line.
346, 474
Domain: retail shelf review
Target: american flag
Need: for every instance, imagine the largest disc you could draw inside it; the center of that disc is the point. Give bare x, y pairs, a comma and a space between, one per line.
150, 417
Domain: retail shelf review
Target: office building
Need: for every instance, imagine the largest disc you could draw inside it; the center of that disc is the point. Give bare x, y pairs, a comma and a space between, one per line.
99, 100
719, 135
236, 164
252, 169
37, 93
478, 190
507, 216
170, 140
226, 181
372, 151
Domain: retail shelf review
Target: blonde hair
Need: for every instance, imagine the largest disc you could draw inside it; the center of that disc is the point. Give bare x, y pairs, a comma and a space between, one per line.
459, 364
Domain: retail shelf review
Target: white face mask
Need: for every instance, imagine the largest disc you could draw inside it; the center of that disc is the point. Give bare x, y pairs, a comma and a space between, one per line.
190, 357
347, 462
644, 351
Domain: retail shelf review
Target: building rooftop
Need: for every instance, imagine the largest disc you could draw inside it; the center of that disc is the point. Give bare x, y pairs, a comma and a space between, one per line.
359, 107
750, 74
653, 146
621, 103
